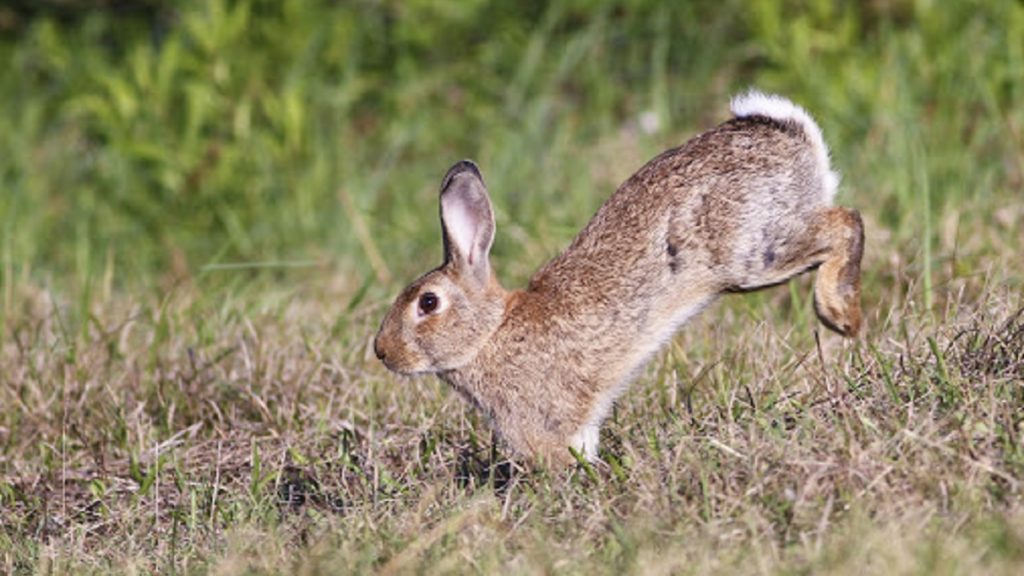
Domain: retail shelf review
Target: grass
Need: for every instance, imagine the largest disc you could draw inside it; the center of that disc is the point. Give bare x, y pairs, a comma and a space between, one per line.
187, 435
206, 210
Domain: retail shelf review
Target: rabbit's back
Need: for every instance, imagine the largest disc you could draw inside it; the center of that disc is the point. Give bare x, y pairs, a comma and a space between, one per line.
711, 212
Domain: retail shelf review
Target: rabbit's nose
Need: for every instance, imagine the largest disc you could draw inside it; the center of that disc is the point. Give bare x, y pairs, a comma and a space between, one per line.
377, 350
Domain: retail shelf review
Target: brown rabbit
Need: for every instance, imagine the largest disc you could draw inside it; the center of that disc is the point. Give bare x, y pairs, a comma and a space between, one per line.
743, 206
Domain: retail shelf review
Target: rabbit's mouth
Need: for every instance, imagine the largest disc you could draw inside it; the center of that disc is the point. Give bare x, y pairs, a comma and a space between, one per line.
397, 362
390, 361
399, 368
399, 356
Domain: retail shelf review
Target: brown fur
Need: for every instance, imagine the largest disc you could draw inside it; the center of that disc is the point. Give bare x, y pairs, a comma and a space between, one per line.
740, 207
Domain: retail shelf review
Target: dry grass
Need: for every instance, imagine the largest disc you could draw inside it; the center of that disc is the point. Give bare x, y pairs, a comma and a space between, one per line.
255, 432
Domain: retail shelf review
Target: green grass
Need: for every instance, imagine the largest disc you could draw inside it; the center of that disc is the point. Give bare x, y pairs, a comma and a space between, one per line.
205, 209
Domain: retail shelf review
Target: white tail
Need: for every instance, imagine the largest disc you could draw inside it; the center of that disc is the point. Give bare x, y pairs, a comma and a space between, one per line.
757, 103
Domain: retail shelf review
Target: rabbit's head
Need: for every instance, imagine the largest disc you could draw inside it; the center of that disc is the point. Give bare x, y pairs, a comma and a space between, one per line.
443, 319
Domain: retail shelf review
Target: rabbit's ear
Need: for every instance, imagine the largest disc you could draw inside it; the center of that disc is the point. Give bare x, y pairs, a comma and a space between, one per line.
467, 220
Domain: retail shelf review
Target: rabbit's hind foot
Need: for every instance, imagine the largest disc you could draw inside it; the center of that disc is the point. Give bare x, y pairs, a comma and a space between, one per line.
837, 286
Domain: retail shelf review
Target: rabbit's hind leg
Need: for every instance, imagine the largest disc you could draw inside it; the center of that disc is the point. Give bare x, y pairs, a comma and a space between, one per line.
829, 239
837, 285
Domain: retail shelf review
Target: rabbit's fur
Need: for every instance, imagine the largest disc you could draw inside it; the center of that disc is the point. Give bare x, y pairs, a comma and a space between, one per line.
743, 206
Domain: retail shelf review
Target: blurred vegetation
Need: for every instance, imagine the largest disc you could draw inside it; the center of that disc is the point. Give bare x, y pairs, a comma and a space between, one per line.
145, 144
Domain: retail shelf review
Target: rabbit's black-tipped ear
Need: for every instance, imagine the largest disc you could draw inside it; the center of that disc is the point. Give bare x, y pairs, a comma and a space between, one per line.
467, 220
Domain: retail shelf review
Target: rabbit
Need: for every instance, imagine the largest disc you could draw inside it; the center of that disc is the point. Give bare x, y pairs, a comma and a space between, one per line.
743, 206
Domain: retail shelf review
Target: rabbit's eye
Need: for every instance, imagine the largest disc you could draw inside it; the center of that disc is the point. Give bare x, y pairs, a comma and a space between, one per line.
428, 302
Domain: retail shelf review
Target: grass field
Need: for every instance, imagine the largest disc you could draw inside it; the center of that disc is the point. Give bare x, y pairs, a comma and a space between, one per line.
207, 207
